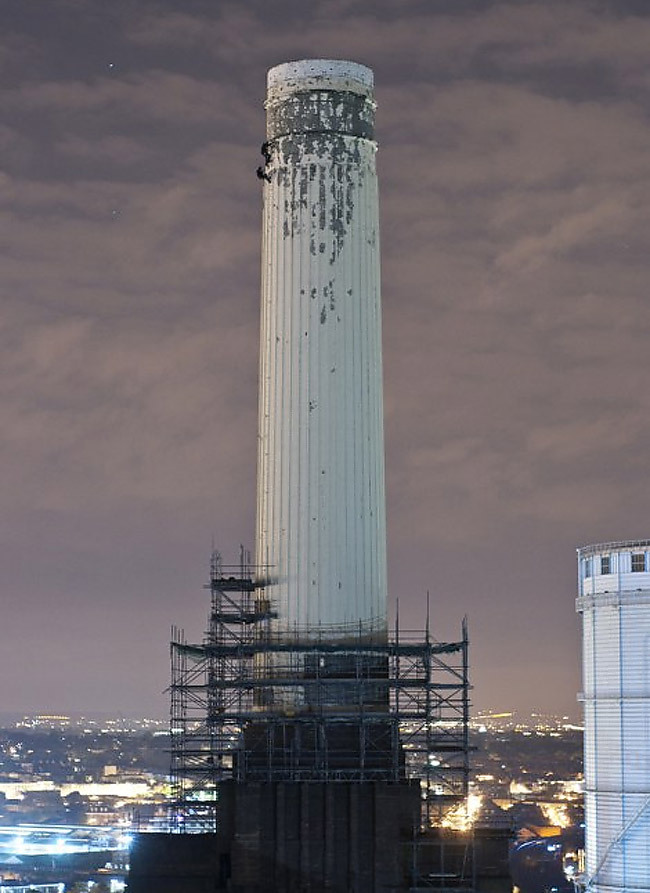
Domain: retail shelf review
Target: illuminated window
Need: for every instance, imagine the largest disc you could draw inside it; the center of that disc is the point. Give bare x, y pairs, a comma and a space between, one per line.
638, 562
606, 564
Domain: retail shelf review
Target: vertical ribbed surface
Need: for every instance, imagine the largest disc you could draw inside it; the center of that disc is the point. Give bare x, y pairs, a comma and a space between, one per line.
321, 505
615, 607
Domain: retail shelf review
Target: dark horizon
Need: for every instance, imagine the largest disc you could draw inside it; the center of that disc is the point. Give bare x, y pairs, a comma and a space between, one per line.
513, 161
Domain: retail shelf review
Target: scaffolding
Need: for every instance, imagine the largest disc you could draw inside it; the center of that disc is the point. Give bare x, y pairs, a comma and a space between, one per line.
370, 710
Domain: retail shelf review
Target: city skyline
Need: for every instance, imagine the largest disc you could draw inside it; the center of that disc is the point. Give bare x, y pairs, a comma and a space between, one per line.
512, 174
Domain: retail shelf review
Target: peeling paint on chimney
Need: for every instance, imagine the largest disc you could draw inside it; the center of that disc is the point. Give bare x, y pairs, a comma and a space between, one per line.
321, 507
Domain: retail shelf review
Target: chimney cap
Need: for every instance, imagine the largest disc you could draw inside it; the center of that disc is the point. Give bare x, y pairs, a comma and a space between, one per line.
320, 74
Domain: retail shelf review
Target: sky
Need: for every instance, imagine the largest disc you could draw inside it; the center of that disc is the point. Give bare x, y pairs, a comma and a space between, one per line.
514, 162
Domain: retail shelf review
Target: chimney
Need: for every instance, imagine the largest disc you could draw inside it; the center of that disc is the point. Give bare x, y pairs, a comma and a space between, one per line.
321, 528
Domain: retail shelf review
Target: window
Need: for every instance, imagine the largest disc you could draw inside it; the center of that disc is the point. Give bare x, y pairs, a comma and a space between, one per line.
587, 567
638, 562
606, 564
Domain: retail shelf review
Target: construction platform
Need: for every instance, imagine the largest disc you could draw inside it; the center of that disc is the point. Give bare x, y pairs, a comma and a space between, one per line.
306, 762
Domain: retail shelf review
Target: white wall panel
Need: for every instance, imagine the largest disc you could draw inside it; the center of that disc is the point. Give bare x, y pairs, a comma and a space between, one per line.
615, 609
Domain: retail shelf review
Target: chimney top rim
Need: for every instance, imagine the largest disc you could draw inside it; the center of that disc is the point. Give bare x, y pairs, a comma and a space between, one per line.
309, 74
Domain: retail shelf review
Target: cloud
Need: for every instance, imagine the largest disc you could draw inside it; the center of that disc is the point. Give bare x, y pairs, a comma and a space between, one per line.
87, 240
438, 39
115, 412
593, 36
513, 160
610, 217
120, 150
157, 94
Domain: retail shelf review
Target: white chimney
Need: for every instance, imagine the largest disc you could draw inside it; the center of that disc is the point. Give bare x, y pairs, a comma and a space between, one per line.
321, 529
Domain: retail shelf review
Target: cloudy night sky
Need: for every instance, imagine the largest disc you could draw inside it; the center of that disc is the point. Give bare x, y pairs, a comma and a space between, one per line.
514, 171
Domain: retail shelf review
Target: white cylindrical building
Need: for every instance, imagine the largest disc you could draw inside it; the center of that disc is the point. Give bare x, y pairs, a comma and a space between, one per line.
614, 600
321, 532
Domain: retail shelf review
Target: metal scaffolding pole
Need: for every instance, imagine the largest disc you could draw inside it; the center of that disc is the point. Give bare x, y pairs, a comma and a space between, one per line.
365, 711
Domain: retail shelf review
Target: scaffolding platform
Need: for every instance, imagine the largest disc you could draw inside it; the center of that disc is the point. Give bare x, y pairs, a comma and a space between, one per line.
249, 706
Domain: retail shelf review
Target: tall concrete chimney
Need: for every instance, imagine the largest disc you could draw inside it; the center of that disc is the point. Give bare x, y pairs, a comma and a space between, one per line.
296, 760
321, 529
